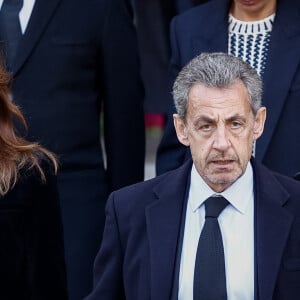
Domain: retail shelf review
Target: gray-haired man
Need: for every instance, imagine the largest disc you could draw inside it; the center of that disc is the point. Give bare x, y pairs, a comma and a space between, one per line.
222, 226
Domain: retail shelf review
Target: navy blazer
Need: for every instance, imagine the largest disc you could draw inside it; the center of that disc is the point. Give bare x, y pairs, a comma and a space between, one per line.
205, 29
76, 59
32, 265
137, 259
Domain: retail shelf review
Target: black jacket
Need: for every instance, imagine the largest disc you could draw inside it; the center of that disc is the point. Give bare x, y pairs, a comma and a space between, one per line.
31, 253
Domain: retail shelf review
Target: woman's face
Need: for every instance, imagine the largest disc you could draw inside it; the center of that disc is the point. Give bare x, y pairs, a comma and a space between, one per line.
254, 9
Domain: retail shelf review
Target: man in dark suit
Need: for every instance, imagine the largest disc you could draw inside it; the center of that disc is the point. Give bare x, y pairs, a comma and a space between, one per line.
206, 29
74, 60
149, 248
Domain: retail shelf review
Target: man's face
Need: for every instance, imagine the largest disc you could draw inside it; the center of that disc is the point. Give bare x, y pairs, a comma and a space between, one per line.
220, 129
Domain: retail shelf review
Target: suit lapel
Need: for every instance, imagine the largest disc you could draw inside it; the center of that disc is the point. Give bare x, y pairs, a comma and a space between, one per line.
282, 62
217, 44
40, 16
163, 227
215, 37
273, 224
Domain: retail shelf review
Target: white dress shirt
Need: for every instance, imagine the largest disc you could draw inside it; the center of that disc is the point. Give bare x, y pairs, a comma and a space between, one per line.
25, 13
237, 228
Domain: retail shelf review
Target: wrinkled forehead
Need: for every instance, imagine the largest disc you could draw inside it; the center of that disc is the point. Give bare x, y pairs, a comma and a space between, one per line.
211, 100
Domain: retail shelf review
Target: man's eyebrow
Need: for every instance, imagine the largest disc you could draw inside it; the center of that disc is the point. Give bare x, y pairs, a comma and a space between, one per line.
235, 117
207, 119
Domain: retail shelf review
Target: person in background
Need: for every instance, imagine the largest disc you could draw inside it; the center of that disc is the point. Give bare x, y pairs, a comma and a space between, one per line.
221, 226
31, 234
264, 33
152, 19
75, 70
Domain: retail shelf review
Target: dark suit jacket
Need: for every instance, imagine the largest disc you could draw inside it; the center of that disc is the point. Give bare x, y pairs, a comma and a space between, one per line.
205, 29
32, 265
76, 58
138, 254
153, 19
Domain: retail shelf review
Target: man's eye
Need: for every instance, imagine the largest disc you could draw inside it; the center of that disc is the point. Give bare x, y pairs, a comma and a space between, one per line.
236, 124
206, 127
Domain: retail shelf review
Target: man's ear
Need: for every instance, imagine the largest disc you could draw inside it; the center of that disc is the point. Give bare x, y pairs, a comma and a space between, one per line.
181, 130
259, 122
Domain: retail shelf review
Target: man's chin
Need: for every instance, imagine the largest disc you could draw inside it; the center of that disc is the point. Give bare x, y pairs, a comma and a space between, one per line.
223, 178
219, 183
221, 172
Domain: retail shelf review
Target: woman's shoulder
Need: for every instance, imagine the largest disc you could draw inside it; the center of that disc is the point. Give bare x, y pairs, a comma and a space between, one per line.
33, 183
43, 170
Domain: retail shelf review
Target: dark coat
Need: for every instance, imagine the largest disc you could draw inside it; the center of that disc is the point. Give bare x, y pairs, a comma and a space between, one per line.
75, 59
32, 265
153, 19
205, 29
137, 259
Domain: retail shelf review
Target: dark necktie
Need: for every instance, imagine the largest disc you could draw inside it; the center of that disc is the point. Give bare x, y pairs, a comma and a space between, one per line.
10, 27
209, 276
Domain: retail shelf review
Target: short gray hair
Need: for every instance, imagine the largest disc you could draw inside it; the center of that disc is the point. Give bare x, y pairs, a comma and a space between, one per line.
216, 70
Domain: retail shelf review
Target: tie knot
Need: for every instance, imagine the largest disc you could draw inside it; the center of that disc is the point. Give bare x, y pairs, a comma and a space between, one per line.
214, 206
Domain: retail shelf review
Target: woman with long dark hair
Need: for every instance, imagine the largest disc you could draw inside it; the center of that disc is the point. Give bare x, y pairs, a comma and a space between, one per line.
31, 237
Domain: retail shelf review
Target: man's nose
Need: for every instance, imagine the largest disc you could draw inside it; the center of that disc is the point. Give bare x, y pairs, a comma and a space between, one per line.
221, 139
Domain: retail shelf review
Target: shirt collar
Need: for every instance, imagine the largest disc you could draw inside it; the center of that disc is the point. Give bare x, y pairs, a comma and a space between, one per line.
238, 194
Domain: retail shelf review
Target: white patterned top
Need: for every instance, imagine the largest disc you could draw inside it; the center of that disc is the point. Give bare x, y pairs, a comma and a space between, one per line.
250, 40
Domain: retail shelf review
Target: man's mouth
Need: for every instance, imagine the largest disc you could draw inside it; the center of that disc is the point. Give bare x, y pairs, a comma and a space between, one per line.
223, 162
